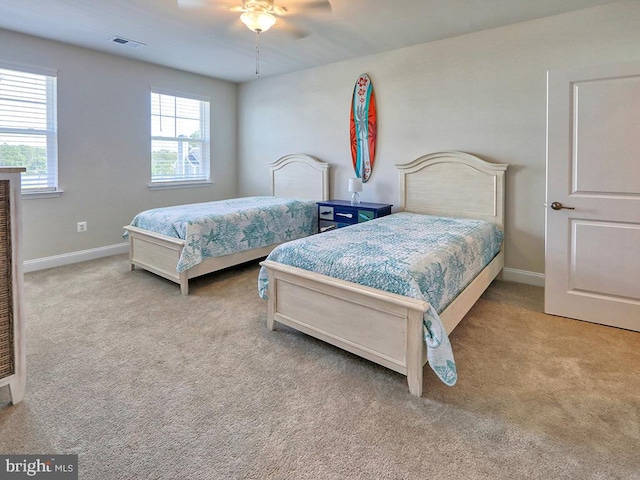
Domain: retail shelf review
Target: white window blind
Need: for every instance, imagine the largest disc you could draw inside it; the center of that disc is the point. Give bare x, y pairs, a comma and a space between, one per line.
28, 127
179, 139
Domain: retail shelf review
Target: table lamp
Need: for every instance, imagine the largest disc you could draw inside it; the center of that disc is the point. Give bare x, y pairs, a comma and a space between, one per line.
355, 186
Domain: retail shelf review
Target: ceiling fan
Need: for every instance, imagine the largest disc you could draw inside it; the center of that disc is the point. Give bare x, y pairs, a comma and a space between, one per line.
260, 15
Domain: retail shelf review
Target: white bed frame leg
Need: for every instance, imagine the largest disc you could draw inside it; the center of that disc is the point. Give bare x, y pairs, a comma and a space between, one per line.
271, 292
131, 265
415, 347
184, 283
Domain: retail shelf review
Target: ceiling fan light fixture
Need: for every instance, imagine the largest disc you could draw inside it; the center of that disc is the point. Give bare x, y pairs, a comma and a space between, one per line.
258, 21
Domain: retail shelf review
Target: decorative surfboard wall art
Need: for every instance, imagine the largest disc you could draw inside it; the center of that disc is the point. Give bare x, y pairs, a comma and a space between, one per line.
363, 127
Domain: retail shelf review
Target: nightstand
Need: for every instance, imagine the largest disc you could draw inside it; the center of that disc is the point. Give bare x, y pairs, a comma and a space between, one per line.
340, 213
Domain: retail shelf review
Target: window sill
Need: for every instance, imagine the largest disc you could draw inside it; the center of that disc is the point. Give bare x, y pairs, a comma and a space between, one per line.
35, 195
170, 185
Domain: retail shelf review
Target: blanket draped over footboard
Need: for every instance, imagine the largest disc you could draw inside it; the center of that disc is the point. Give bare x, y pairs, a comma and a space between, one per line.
224, 227
419, 256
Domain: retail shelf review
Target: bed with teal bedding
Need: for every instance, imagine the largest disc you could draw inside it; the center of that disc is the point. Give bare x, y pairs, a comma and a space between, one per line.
187, 241
225, 227
392, 289
419, 256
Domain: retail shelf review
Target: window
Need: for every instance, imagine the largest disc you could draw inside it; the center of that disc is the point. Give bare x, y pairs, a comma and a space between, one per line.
179, 140
28, 128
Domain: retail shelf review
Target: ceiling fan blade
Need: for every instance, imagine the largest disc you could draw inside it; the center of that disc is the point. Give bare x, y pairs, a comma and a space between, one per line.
278, 10
296, 8
326, 4
210, 5
192, 3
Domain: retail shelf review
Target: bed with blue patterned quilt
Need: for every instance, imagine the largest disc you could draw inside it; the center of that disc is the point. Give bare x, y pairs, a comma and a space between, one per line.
431, 258
224, 227
396, 300
189, 241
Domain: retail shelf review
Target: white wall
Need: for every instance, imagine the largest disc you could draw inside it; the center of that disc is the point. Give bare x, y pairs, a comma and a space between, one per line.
104, 143
483, 93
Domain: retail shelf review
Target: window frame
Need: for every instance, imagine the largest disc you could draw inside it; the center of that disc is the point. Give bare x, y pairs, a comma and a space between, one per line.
203, 178
48, 186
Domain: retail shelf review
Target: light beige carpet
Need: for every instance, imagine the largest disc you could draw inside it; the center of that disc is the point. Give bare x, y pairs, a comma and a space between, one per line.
142, 383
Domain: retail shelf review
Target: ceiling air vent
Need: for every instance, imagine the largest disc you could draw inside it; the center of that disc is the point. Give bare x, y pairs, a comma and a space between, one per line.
127, 42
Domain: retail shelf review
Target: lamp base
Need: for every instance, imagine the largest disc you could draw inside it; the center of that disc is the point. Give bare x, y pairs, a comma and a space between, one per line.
355, 198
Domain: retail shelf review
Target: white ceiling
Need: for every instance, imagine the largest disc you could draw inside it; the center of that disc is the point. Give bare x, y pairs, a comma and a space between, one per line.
213, 42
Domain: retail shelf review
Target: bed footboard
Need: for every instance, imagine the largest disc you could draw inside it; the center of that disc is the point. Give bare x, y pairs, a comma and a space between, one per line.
158, 254
382, 327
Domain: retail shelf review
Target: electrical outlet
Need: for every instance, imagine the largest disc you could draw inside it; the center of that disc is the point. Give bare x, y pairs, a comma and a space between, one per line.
82, 226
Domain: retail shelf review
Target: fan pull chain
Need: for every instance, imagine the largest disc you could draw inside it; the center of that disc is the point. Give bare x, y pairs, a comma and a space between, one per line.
257, 55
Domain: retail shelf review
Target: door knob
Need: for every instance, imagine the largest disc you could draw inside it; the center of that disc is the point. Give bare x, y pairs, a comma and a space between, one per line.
559, 206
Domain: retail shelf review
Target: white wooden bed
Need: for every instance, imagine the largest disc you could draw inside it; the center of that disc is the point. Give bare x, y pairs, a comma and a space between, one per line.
383, 327
292, 176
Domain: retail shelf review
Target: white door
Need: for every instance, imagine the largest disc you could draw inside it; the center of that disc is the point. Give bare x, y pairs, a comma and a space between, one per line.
592, 254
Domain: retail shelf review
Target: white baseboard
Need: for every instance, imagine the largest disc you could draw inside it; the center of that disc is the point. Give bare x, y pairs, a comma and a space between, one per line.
74, 257
523, 276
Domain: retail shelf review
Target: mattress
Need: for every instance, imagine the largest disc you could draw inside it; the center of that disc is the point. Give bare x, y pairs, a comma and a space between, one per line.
419, 256
224, 227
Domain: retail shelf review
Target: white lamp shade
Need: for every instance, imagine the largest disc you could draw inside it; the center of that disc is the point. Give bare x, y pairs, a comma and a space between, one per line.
355, 185
258, 21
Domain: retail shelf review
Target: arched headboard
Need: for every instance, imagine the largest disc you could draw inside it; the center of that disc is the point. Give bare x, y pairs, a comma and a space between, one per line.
453, 184
300, 176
